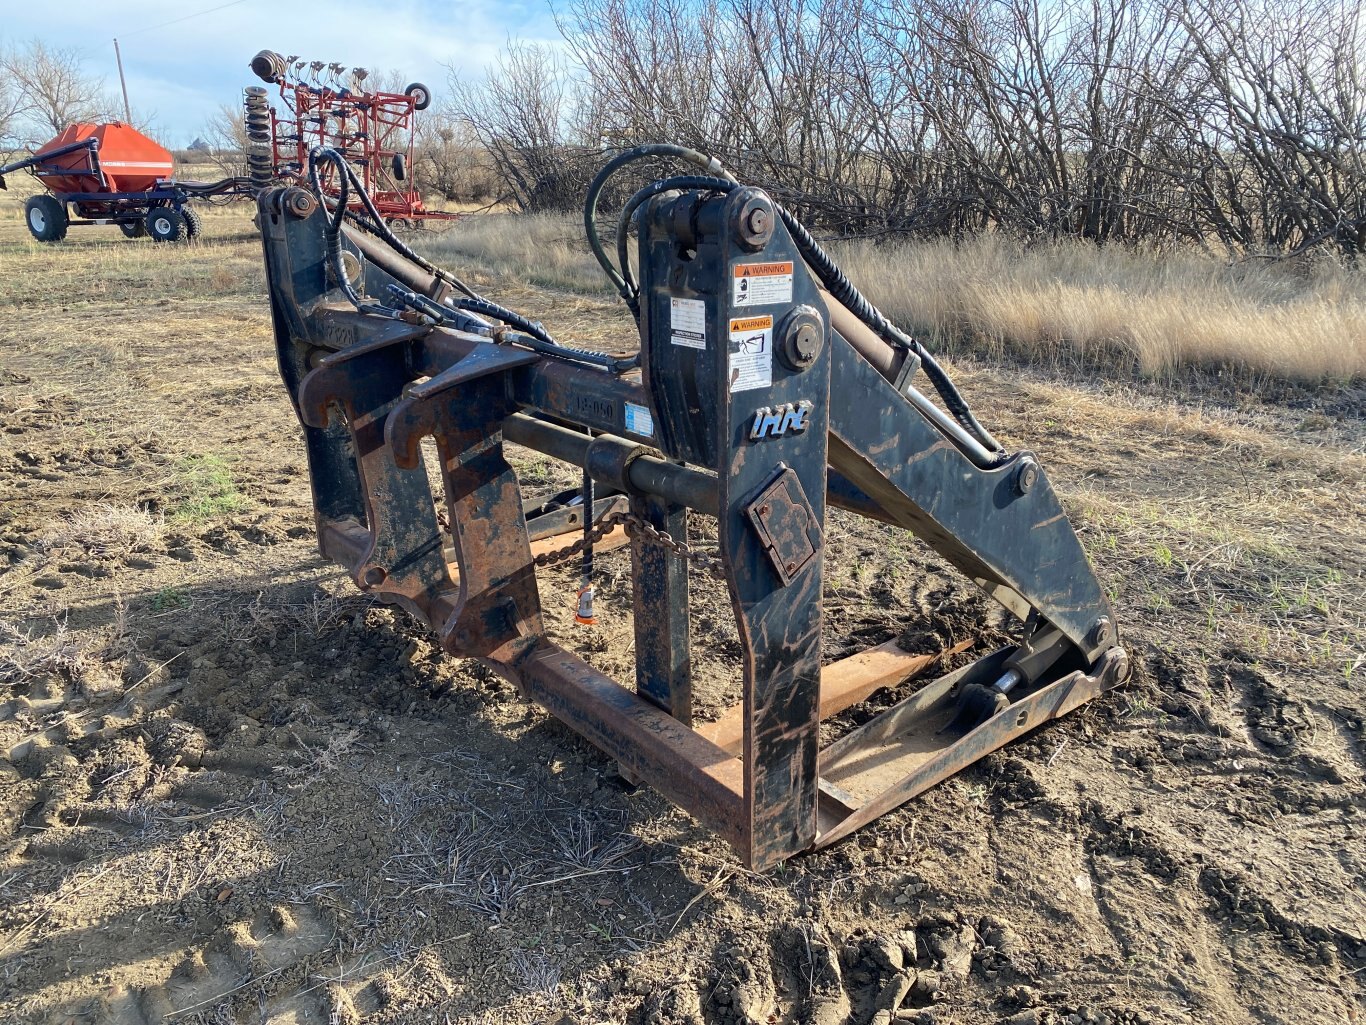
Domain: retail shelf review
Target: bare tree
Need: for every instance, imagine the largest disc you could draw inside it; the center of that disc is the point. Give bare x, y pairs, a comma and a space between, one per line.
522, 114
12, 103
55, 87
1282, 119
1239, 124
226, 134
451, 161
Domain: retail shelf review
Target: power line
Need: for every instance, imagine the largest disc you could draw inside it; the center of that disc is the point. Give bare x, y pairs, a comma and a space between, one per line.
187, 17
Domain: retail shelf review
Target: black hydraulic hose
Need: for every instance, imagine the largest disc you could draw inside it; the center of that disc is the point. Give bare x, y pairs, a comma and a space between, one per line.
684, 181
378, 228
487, 308
590, 201
473, 301
843, 290
332, 223
839, 286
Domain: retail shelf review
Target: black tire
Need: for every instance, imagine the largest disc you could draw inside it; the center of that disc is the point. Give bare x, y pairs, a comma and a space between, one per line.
133, 229
46, 218
165, 224
400, 165
194, 221
422, 96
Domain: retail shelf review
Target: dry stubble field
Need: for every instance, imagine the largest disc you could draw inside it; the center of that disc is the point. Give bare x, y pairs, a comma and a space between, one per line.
233, 790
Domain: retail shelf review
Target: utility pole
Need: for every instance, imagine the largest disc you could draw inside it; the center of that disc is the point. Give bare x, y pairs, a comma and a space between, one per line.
127, 111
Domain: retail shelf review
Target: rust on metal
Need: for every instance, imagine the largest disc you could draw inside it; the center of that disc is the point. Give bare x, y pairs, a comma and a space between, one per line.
843, 684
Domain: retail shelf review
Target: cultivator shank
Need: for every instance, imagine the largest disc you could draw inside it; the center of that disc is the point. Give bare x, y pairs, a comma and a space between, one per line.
759, 401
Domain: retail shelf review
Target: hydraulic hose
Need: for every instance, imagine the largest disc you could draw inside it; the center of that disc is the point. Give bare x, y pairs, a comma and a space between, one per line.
843, 289
687, 181
332, 223
590, 201
816, 257
348, 179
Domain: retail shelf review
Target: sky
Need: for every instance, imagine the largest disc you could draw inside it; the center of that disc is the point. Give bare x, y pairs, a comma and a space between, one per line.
181, 73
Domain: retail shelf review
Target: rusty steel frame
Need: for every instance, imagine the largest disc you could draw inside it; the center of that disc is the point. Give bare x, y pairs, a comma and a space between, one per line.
368, 390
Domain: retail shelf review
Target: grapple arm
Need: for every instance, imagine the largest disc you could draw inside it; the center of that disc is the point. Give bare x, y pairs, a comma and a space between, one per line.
754, 405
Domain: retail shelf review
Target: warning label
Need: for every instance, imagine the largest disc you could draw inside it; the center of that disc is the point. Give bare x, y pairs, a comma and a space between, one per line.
688, 323
757, 284
751, 353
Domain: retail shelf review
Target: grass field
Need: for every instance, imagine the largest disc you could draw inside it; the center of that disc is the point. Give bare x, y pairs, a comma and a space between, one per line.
234, 790
1068, 305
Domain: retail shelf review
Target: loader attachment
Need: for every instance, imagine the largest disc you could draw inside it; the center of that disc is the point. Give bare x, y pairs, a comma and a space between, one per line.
761, 396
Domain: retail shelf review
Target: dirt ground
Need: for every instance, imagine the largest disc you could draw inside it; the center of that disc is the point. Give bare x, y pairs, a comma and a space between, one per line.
234, 790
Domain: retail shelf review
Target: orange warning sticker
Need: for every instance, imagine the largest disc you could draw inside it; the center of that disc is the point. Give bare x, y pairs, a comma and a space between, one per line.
751, 353
758, 284
750, 324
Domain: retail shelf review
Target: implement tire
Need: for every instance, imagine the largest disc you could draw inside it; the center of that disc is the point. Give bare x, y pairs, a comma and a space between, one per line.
422, 96
46, 218
165, 224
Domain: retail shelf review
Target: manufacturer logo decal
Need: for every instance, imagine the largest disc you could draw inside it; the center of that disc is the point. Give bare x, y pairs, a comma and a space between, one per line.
776, 421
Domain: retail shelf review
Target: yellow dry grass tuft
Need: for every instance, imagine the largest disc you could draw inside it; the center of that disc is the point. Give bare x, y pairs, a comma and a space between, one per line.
541, 249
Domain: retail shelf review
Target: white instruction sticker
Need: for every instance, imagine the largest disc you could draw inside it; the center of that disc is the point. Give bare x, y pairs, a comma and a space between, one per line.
639, 421
688, 323
757, 284
751, 353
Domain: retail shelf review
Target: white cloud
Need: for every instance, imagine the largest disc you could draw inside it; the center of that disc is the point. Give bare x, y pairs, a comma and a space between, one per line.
183, 72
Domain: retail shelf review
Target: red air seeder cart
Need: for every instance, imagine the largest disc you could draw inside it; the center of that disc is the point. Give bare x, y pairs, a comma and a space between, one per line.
113, 174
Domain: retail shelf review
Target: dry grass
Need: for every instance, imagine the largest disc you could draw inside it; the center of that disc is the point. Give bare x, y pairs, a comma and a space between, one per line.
1154, 312
1136, 313
25, 654
106, 530
542, 249
1140, 313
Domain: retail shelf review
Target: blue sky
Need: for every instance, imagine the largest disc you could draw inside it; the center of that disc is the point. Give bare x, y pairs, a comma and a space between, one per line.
182, 72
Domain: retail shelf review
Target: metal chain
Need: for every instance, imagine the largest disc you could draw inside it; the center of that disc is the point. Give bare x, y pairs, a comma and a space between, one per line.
642, 529
600, 530
707, 562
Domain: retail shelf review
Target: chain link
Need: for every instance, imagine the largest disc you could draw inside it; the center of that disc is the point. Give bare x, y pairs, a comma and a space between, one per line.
642, 529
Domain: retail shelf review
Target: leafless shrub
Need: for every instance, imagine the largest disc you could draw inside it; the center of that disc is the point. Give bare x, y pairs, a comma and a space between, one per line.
522, 115
324, 759
226, 134
450, 160
1235, 125
273, 615
100, 662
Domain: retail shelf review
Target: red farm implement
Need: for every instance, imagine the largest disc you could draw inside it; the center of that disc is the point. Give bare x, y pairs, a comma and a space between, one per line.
323, 106
113, 174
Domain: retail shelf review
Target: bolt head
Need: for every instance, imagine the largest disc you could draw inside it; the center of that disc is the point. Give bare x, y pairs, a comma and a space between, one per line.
1026, 476
754, 220
300, 202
